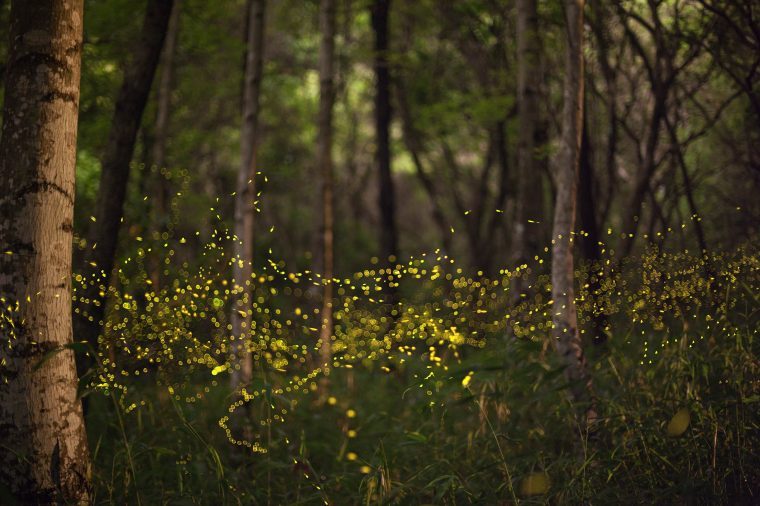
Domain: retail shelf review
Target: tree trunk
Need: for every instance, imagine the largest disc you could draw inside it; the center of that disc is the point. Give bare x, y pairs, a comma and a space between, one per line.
160, 183
109, 209
587, 209
527, 240
564, 317
388, 230
590, 228
245, 207
325, 165
43, 455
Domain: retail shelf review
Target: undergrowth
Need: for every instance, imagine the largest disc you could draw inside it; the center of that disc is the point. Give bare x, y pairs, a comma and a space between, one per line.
455, 398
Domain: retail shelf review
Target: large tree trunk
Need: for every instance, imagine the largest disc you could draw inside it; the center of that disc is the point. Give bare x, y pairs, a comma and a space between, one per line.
44, 457
245, 206
160, 183
564, 317
109, 209
388, 230
325, 165
527, 240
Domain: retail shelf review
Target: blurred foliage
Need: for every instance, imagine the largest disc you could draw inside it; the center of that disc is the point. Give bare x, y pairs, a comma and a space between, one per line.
455, 396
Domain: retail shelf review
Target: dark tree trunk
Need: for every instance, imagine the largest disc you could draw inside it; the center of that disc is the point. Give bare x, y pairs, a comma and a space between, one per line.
527, 238
590, 228
388, 230
109, 209
160, 182
587, 200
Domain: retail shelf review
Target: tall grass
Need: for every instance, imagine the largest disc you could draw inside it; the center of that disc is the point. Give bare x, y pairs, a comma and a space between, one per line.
466, 404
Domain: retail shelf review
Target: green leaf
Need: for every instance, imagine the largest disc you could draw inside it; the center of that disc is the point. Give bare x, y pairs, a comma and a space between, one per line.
77, 347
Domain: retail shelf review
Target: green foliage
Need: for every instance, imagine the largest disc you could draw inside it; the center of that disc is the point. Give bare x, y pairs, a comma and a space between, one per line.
455, 396
459, 398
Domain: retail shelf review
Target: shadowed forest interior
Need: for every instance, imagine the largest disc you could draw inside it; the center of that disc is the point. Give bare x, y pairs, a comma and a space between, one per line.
379, 252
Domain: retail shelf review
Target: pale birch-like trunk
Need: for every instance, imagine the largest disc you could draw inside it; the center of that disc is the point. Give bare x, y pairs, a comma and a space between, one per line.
564, 317
325, 166
44, 458
245, 207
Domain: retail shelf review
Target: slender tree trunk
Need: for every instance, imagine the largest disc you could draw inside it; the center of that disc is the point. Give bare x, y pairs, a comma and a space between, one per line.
587, 208
160, 189
388, 230
325, 164
44, 457
109, 208
500, 202
564, 317
245, 207
526, 241
590, 228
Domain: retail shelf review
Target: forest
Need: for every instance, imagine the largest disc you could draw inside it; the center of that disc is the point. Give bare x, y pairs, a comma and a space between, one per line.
423, 252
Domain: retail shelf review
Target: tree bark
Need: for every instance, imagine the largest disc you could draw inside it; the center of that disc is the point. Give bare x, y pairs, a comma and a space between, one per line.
44, 457
109, 208
245, 207
160, 184
387, 203
587, 198
325, 165
590, 229
564, 318
526, 241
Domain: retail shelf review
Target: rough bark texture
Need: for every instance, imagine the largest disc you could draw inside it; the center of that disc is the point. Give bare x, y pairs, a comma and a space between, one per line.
109, 209
565, 328
245, 207
43, 446
388, 230
527, 241
325, 166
